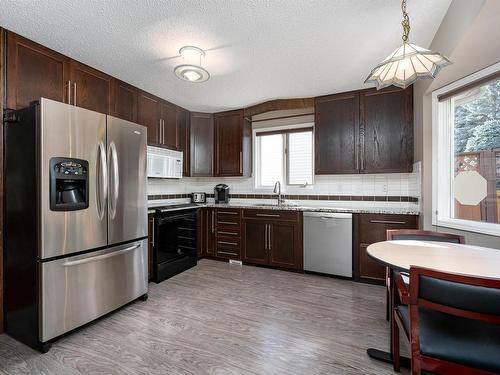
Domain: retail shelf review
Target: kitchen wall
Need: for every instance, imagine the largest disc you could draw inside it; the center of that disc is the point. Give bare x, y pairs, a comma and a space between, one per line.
469, 36
380, 185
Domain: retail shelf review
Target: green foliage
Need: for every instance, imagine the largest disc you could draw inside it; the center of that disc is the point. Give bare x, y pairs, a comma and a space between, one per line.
477, 122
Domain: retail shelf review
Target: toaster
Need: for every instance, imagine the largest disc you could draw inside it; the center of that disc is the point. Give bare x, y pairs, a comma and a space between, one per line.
198, 197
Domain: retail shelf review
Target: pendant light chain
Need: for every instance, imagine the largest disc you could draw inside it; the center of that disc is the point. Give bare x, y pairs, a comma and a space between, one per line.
405, 22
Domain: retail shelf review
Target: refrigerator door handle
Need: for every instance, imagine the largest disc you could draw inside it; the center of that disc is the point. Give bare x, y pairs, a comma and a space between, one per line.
115, 183
101, 180
100, 257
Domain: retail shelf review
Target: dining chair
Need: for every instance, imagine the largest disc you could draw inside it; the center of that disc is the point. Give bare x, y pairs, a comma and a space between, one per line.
451, 321
417, 235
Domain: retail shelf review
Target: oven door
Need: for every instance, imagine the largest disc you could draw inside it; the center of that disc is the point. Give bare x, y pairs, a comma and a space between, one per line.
175, 237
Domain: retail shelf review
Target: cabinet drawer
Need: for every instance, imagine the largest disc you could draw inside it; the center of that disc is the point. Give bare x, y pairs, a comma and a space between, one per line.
373, 227
228, 232
271, 214
228, 218
228, 213
228, 242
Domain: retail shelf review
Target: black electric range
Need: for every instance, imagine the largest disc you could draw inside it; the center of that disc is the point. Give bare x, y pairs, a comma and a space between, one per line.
174, 240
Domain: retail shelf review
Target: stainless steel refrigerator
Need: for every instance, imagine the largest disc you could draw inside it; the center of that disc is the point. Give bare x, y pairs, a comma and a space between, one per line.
75, 218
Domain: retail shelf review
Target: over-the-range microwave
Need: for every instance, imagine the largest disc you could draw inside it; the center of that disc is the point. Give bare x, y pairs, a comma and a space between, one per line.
164, 163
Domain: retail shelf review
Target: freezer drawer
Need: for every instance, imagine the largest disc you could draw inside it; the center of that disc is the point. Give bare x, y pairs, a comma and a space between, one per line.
79, 289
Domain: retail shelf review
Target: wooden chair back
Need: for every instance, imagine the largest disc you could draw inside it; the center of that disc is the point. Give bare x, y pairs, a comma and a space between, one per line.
423, 235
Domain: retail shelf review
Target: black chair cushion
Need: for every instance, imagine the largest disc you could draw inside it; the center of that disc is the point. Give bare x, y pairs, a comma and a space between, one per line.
469, 342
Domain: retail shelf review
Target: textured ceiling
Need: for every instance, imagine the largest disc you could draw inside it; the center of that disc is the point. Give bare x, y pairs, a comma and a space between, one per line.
256, 50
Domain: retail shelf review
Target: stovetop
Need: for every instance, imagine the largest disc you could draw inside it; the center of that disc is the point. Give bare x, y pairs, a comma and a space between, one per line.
176, 207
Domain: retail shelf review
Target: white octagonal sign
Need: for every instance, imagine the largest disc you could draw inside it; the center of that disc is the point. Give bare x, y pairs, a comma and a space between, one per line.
470, 188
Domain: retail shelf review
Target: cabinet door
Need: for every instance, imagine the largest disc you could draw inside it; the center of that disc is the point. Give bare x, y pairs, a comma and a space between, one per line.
34, 71
149, 115
229, 143
91, 88
386, 130
125, 101
337, 134
255, 238
210, 232
369, 268
151, 226
169, 123
183, 138
201, 144
283, 245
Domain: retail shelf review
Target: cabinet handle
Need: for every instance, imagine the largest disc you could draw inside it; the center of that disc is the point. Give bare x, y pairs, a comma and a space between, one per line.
269, 240
162, 131
69, 92
159, 128
74, 93
226, 253
241, 162
228, 213
226, 223
265, 237
386, 222
268, 215
228, 233
227, 243
213, 221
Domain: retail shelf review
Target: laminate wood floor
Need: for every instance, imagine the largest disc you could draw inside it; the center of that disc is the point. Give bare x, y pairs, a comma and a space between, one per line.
222, 319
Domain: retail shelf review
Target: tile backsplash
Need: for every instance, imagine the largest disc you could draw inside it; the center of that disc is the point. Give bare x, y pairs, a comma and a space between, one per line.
378, 185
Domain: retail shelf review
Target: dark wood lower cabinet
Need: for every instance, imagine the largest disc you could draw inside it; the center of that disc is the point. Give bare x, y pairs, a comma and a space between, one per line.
274, 240
255, 241
283, 244
371, 228
206, 232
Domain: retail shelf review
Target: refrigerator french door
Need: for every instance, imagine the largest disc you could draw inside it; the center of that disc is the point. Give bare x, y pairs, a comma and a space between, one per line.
76, 181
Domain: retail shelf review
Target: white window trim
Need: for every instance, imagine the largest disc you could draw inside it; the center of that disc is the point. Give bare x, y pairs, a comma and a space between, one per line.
256, 158
442, 144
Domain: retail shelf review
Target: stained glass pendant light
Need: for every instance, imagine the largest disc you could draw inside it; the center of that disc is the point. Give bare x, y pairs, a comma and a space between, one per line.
407, 63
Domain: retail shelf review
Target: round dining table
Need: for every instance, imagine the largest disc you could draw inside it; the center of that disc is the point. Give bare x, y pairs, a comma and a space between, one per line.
463, 259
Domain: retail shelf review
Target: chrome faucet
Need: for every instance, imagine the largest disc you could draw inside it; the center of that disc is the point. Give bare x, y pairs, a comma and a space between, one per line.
277, 190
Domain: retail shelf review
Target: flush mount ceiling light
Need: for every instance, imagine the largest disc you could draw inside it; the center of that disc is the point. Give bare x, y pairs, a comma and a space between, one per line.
192, 71
407, 63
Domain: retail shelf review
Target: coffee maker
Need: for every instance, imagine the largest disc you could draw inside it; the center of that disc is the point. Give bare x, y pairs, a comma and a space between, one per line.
221, 193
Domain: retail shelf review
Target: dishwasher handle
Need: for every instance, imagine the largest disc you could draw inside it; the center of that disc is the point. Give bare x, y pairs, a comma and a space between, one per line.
329, 215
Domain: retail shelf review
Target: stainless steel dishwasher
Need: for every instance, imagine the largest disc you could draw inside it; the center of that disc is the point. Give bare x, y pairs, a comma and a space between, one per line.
328, 243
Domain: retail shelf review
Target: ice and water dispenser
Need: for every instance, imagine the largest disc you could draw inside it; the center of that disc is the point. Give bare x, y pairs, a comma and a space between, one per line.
69, 184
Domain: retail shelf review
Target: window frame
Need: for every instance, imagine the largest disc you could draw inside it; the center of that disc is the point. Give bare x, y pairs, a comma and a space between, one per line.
443, 163
285, 131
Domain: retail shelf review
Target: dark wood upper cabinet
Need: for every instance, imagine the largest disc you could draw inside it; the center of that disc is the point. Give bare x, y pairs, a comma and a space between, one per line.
201, 144
183, 131
34, 71
386, 120
337, 134
91, 89
232, 145
125, 99
366, 131
168, 114
149, 115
